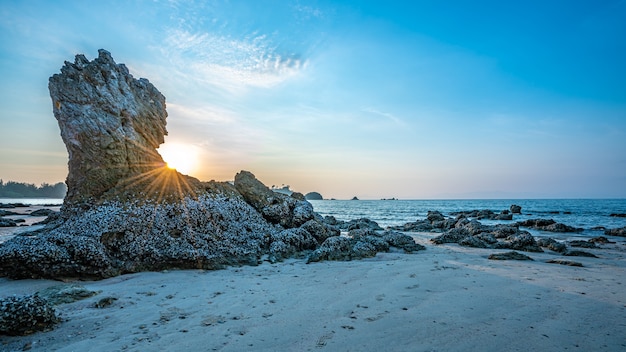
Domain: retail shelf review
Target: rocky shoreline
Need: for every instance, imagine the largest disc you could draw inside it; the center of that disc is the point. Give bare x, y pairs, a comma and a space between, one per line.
126, 212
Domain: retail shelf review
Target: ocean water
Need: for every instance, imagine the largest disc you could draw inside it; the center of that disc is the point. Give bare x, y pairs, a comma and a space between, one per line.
588, 214
33, 201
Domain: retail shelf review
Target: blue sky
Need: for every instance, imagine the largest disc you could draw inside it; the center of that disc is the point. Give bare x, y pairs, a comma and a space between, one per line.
375, 99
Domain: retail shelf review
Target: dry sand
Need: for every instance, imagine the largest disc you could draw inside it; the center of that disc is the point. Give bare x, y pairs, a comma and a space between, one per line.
447, 298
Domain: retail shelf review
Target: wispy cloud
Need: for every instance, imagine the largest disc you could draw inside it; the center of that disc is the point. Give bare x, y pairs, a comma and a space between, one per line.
231, 63
389, 116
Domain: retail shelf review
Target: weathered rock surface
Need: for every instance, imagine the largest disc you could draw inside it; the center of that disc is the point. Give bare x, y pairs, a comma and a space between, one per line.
23, 315
111, 124
126, 212
515, 209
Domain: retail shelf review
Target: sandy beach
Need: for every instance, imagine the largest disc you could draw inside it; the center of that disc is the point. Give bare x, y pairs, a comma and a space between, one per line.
446, 298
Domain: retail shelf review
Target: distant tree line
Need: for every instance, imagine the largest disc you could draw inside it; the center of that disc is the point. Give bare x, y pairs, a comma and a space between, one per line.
12, 189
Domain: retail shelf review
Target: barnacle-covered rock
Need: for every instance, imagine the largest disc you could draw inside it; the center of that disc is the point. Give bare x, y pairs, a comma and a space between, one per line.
23, 315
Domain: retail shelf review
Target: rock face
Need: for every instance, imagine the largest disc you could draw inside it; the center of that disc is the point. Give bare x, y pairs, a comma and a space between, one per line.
111, 124
126, 212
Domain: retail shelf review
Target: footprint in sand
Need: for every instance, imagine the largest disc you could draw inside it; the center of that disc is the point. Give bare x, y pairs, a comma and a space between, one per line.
321, 342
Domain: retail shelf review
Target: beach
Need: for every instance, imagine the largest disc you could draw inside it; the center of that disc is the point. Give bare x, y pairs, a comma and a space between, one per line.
446, 298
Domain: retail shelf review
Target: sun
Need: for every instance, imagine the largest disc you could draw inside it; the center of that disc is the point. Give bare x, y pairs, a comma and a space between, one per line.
180, 157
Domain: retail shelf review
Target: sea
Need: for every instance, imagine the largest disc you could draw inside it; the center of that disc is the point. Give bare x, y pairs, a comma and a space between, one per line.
592, 215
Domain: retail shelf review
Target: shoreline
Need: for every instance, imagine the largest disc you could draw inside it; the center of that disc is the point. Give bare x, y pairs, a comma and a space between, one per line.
447, 297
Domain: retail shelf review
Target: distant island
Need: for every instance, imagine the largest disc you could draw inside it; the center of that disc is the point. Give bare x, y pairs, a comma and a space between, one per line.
313, 196
284, 189
12, 189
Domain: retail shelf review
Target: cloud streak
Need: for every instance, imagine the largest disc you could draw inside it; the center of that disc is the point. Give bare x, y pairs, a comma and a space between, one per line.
232, 64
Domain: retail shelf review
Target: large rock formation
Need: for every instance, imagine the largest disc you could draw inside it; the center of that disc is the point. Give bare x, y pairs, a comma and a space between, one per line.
125, 211
111, 124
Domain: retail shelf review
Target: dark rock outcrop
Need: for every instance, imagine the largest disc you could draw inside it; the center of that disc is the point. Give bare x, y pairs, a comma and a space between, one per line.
564, 262
515, 209
548, 225
23, 315
434, 222
474, 234
7, 222
582, 244
616, 232
552, 245
601, 240
509, 256
579, 254
363, 243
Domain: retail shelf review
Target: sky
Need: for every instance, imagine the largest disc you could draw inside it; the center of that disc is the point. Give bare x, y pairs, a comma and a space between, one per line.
374, 99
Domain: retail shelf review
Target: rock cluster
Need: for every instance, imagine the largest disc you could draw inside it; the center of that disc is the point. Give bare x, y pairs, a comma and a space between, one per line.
126, 212
548, 225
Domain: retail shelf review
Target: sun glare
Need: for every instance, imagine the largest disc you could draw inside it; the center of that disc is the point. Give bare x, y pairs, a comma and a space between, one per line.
181, 157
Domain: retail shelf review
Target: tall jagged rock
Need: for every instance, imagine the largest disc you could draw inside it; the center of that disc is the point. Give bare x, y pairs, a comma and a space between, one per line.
111, 124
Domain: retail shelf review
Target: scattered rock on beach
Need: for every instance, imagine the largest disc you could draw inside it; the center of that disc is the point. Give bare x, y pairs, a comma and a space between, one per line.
62, 294
23, 315
579, 254
42, 212
363, 243
582, 244
509, 256
7, 222
564, 262
616, 232
548, 225
601, 239
474, 234
552, 245
7, 212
